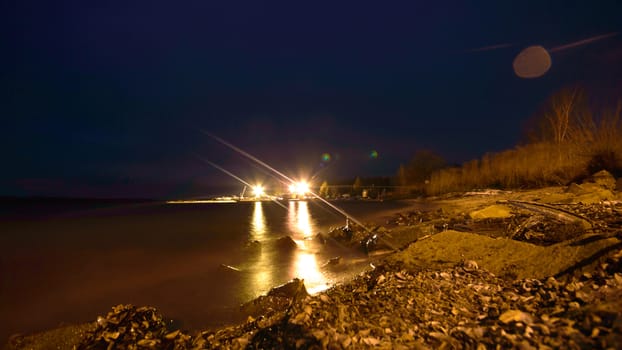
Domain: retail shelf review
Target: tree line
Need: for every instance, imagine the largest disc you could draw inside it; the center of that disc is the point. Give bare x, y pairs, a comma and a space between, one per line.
571, 138
568, 140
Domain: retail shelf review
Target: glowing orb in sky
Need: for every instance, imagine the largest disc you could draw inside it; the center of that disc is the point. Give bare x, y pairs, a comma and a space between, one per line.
532, 62
373, 154
326, 157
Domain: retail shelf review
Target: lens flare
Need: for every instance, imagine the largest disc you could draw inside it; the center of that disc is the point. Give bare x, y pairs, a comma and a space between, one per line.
532, 62
290, 180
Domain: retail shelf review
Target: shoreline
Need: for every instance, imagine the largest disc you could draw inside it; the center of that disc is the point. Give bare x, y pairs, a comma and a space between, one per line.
86, 272
351, 314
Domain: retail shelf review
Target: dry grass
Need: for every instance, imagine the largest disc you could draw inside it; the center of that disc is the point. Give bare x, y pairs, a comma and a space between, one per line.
590, 142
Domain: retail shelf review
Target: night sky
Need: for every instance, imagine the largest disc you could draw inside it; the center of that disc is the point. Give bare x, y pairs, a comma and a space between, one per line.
116, 99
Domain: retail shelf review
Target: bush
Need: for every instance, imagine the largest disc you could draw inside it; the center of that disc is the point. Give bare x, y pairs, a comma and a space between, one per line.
605, 160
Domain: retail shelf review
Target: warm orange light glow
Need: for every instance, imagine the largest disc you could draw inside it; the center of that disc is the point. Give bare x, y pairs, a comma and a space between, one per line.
258, 224
308, 269
304, 219
258, 191
299, 188
305, 266
262, 279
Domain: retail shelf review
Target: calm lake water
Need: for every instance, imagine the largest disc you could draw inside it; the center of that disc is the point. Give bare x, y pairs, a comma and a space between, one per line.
64, 263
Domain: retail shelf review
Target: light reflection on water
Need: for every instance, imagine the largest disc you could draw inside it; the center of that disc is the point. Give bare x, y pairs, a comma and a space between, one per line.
258, 223
262, 278
300, 219
303, 264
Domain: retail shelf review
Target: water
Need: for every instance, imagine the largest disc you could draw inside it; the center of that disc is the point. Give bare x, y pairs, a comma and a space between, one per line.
65, 263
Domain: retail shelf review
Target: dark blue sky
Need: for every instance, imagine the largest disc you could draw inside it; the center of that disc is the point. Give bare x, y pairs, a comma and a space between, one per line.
110, 99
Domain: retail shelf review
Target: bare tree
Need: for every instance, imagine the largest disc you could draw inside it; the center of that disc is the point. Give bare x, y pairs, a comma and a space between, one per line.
560, 116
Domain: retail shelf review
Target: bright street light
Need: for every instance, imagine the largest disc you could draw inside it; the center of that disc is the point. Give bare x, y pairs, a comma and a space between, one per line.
299, 188
258, 191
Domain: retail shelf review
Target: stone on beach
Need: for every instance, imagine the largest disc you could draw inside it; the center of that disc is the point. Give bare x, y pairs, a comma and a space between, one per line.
491, 212
286, 243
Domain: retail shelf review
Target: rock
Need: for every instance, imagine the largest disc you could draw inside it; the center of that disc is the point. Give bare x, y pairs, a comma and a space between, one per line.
369, 243
343, 234
470, 265
491, 212
292, 289
277, 300
127, 326
593, 194
516, 316
320, 238
286, 243
575, 189
333, 261
603, 179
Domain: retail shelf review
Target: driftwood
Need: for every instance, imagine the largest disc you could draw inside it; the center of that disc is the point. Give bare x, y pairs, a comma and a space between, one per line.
551, 212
